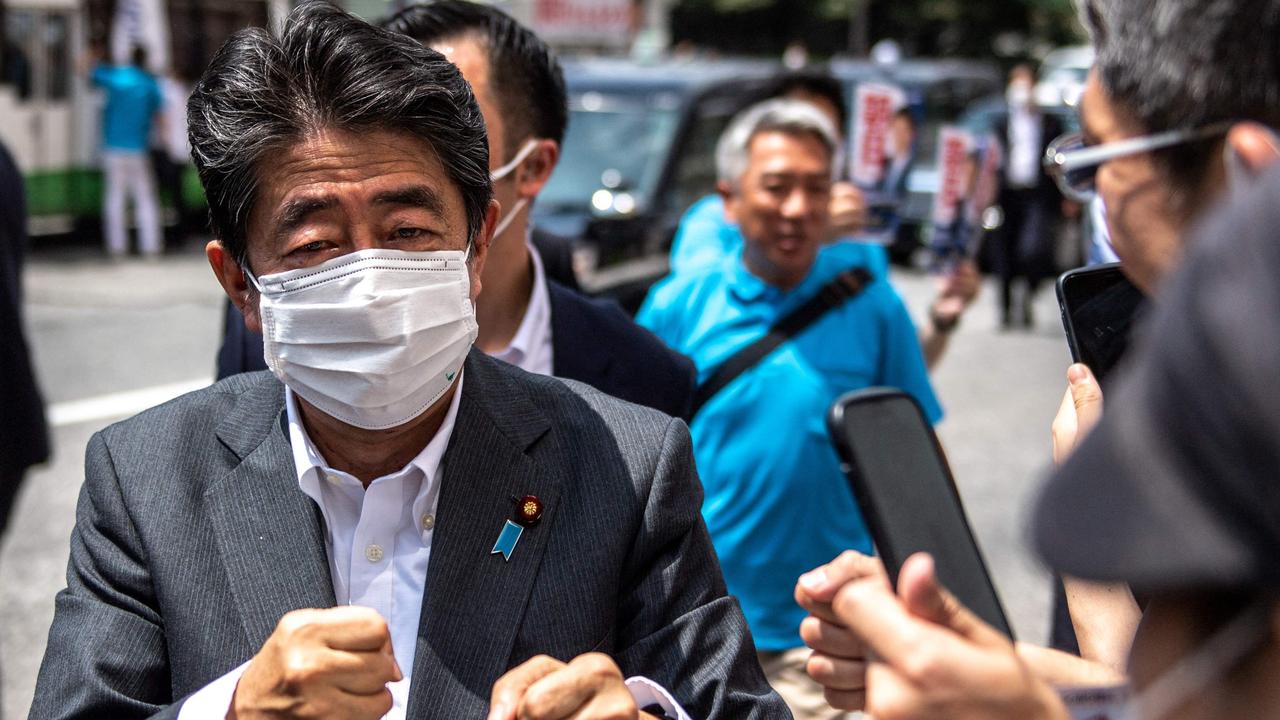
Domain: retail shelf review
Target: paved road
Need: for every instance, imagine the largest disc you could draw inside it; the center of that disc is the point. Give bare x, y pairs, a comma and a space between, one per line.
109, 338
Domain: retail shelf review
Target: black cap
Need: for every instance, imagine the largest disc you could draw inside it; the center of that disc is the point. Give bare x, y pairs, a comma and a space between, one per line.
1179, 485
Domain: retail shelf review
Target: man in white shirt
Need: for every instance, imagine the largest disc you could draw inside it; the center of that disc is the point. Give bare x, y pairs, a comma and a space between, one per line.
390, 524
528, 316
1031, 202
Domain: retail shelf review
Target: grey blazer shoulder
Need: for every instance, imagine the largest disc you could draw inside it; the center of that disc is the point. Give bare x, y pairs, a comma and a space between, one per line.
192, 539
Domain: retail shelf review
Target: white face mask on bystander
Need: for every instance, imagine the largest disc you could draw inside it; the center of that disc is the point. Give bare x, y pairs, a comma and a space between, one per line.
501, 173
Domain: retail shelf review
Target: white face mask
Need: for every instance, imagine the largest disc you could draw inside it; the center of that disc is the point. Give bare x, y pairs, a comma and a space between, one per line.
372, 338
504, 171
1019, 96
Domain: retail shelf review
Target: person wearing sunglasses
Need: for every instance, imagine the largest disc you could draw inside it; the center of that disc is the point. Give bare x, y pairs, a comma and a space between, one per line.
1155, 164
1166, 135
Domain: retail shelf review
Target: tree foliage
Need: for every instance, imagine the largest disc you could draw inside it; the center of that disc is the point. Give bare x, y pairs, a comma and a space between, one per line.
923, 27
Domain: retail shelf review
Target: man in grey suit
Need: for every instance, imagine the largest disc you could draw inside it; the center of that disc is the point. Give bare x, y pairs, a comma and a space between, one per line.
404, 527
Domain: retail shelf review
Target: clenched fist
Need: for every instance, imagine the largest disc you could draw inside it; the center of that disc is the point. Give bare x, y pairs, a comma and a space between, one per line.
320, 663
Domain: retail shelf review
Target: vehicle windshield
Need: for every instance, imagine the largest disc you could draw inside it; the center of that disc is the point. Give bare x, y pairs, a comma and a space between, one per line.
615, 142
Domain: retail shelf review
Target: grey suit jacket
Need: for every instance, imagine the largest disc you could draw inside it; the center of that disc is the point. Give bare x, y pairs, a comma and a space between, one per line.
193, 538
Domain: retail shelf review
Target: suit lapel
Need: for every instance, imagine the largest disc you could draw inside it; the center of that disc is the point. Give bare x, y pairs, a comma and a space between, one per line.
571, 329
474, 600
268, 532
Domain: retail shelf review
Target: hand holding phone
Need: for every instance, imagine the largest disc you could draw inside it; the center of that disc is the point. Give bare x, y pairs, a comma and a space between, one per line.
907, 495
1100, 307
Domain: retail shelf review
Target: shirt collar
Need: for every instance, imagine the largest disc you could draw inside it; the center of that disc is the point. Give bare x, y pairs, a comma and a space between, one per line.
311, 466
536, 323
746, 287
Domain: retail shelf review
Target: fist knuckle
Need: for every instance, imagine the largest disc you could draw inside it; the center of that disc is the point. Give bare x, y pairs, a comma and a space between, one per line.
599, 666
922, 668
298, 669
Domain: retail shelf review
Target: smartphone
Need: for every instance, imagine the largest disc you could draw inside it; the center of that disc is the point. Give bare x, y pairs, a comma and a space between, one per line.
908, 497
1100, 307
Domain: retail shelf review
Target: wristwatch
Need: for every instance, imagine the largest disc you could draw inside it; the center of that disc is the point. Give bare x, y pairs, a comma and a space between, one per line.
941, 324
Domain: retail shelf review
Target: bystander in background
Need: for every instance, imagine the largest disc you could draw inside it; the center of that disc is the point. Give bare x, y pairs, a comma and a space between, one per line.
132, 103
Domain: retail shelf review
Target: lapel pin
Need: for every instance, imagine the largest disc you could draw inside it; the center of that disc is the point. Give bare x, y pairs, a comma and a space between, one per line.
528, 512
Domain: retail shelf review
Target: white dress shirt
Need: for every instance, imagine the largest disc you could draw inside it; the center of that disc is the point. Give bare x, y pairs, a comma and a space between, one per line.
531, 348
1025, 146
379, 543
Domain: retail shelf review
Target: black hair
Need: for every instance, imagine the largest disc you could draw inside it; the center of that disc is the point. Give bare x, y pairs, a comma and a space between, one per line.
326, 69
812, 82
524, 74
1187, 64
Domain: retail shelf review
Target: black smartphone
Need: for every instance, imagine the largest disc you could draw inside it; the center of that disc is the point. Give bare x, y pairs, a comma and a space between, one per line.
908, 497
1100, 307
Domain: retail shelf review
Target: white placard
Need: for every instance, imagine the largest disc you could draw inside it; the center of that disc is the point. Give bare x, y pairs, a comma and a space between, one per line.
874, 105
954, 146
601, 22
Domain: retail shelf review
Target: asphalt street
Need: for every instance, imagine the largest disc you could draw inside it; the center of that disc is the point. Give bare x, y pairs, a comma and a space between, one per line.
111, 339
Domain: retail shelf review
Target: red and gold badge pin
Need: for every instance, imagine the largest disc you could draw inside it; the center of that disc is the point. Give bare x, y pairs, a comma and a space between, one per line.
528, 510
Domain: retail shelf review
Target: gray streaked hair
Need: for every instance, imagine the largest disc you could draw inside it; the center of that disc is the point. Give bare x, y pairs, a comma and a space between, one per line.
792, 117
1185, 64
327, 69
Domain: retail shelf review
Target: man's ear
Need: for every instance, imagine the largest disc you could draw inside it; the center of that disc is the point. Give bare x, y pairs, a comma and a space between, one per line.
1256, 145
229, 273
480, 249
535, 171
730, 202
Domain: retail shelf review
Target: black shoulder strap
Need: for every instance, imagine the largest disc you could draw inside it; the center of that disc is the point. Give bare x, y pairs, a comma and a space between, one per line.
845, 287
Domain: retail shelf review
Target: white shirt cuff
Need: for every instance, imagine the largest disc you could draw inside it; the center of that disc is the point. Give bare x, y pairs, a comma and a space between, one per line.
647, 692
213, 701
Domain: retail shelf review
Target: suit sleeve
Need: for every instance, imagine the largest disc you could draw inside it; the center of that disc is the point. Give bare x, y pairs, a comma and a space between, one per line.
106, 656
681, 628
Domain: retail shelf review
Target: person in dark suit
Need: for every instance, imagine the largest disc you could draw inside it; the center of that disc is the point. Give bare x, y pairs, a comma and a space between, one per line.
526, 317
390, 523
1030, 200
24, 437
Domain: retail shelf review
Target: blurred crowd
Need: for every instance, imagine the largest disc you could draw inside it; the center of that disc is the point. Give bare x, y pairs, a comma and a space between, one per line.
386, 508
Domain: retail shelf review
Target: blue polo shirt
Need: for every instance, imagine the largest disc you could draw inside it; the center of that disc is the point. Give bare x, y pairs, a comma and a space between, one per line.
133, 98
776, 502
706, 238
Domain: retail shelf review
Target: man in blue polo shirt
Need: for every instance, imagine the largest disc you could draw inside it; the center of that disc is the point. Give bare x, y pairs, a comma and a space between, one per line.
776, 501
133, 100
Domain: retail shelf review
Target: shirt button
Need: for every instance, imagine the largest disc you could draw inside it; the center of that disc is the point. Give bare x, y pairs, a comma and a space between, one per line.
428, 521
373, 553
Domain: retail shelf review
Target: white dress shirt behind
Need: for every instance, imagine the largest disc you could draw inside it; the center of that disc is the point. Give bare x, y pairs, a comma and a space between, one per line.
1025, 129
379, 543
531, 347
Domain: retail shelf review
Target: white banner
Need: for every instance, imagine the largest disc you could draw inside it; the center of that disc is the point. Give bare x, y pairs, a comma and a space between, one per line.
987, 184
601, 22
144, 23
873, 108
954, 146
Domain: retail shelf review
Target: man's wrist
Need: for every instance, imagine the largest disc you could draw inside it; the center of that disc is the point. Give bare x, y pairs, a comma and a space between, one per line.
943, 323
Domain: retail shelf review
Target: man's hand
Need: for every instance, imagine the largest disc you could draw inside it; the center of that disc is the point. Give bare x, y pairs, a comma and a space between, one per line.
839, 660
932, 657
848, 210
320, 663
1080, 411
543, 688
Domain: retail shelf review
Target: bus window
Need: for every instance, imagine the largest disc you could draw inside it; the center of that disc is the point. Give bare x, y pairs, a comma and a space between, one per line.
19, 27
57, 57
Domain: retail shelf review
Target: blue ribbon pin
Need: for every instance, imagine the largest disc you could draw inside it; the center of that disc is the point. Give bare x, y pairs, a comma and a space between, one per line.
507, 540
